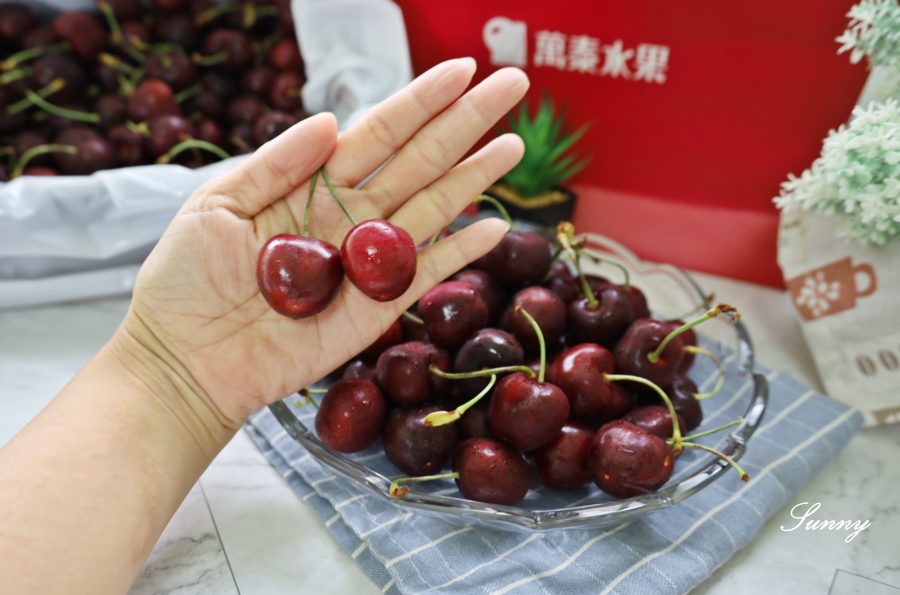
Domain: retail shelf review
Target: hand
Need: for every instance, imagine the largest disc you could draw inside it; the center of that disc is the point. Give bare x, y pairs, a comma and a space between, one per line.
197, 313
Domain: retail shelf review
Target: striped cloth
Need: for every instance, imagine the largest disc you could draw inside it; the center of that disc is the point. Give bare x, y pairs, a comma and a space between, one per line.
668, 551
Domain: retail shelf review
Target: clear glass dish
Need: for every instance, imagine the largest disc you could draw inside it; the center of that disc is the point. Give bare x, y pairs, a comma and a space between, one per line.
671, 293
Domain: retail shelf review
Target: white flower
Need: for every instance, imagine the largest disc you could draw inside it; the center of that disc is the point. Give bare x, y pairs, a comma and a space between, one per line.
873, 31
857, 177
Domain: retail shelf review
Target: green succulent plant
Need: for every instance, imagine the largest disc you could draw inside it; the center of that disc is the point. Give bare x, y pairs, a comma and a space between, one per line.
549, 160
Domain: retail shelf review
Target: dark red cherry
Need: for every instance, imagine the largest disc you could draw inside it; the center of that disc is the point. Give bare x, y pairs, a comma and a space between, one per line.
125, 10
16, 20
210, 131
358, 368
112, 110
11, 123
233, 46
603, 323
547, 309
258, 80
28, 139
491, 291
172, 67
152, 98
221, 83
351, 415
452, 311
298, 276
402, 372
271, 125
166, 132
490, 471
285, 91
682, 392
639, 341
562, 282
392, 336
35, 37
527, 413
656, 419
688, 337
285, 55
128, 144
413, 447
638, 302
521, 258
177, 29
486, 348
380, 259
579, 372
91, 154
246, 108
562, 462
51, 67
84, 32
628, 461
168, 5
476, 422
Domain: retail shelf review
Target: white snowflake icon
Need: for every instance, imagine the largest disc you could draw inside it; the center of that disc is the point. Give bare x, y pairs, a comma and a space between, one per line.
817, 294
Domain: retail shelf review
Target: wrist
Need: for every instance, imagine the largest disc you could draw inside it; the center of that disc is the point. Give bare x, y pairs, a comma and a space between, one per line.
171, 384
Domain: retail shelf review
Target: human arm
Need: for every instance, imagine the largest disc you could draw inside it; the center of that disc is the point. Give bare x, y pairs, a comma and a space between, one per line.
92, 481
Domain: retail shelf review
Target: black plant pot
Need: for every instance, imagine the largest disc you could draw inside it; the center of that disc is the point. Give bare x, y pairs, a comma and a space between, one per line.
547, 210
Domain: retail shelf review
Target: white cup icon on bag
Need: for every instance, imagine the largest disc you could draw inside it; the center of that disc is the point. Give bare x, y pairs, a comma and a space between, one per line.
507, 41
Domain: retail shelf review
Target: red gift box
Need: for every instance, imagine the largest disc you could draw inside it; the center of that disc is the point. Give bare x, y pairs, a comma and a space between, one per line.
698, 111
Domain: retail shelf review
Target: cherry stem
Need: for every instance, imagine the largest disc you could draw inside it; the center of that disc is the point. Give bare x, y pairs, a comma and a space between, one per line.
31, 53
63, 112
336, 197
116, 36
480, 373
192, 143
676, 427
714, 430
14, 75
39, 150
23, 104
437, 236
497, 204
723, 456
116, 63
306, 395
398, 491
187, 93
540, 336
597, 258
312, 189
720, 383
410, 316
217, 58
556, 256
732, 312
441, 418
564, 235
213, 12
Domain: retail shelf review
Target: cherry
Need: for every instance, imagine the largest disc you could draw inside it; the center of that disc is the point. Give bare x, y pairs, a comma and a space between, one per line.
258, 80
638, 301
83, 30
112, 110
298, 276
521, 258
626, 460
168, 5
580, 372
92, 154
562, 462
548, 310
392, 336
688, 339
177, 29
561, 282
240, 138
284, 93
220, 83
656, 419
602, 318
271, 125
452, 311
36, 37
486, 348
125, 10
226, 46
414, 327
128, 145
28, 139
351, 415
682, 392
359, 368
53, 67
285, 55
490, 471
205, 105
639, 341
16, 19
246, 108
476, 422
167, 131
135, 33
491, 291
379, 258
172, 67
413, 447
10, 123
402, 372
527, 412
152, 98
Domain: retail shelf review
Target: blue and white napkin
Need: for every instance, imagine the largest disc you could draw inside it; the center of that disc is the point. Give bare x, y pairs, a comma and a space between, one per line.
669, 551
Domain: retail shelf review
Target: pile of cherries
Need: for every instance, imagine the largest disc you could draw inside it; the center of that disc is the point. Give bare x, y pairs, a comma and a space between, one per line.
521, 365
144, 81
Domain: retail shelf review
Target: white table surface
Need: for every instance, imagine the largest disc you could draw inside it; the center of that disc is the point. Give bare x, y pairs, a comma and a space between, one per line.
242, 529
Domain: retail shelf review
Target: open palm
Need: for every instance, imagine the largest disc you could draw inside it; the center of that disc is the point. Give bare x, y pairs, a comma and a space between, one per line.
197, 305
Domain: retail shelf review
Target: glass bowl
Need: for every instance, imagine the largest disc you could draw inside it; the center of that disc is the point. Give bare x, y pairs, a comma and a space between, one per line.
671, 293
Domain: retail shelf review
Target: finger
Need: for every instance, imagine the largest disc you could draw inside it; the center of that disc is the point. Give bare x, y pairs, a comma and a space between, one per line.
443, 258
381, 132
440, 144
276, 168
440, 203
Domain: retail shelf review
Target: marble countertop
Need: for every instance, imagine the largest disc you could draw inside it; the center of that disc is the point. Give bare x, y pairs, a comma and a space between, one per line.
242, 530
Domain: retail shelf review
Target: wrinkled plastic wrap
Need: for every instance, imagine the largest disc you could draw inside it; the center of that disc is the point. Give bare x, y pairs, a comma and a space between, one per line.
78, 237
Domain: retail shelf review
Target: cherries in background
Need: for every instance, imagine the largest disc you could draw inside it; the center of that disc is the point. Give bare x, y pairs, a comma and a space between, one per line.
161, 81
